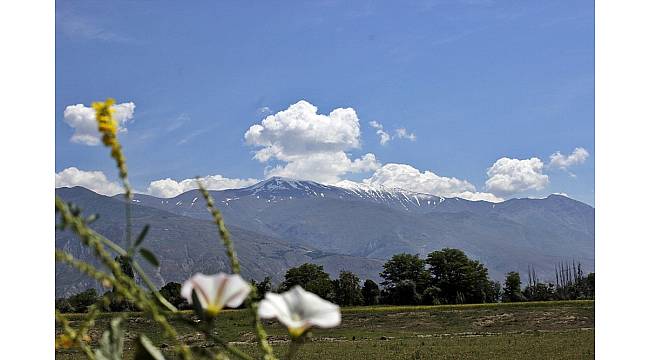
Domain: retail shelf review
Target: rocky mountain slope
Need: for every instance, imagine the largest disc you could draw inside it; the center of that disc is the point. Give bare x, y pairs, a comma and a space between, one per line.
187, 245
366, 224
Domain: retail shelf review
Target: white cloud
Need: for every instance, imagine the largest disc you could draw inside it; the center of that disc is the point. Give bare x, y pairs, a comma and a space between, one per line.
510, 176
564, 162
477, 196
310, 145
264, 110
92, 180
82, 119
324, 167
401, 133
384, 137
167, 188
407, 177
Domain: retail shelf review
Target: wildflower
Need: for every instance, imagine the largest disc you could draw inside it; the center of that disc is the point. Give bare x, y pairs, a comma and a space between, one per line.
299, 310
105, 122
108, 127
216, 291
63, 341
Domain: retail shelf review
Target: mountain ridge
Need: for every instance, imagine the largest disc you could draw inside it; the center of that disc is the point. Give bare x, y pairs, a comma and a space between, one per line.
376, 224
187, 245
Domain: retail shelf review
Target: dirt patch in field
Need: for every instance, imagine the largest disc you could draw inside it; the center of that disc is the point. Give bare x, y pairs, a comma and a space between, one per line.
562, 319
492, 320
191, 339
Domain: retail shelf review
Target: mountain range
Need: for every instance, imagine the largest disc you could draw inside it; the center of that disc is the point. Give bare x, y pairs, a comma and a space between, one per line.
279, 223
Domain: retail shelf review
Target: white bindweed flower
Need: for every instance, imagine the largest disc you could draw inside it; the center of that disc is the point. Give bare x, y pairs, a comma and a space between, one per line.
216, 291
299, 310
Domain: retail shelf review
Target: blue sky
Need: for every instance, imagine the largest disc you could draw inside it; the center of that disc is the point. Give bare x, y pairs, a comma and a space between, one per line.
473, 81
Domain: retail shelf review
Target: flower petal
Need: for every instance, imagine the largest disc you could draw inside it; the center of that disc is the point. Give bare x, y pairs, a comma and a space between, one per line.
273, 305
317, 311
216, 291
299, 309
235, 291
204, 286
276, 306
326, 318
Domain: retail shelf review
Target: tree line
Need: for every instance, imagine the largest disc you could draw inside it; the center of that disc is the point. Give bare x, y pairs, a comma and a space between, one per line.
445, 276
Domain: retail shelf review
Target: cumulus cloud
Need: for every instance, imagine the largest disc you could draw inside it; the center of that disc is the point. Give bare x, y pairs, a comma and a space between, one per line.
384, 137
92, 180
167, 188
558, 160
407, 177
310, 145
510, 176
401, 133
82, 119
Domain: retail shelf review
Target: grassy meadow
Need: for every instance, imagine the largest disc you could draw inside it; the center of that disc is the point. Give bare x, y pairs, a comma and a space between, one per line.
538, 330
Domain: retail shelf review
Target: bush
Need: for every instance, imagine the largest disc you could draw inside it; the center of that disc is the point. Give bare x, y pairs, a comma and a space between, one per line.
405, 293
172, 292
63, 305
431, 296
81, 301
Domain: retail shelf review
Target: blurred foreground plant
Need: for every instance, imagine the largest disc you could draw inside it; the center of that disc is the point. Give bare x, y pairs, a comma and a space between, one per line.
209, 294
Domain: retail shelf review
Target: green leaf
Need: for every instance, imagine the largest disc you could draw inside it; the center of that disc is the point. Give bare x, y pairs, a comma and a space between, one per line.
74, 209
150, 257
111, 345
142, 235
146, 350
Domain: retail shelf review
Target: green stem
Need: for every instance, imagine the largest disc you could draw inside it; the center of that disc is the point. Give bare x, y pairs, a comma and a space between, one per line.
152, 287
221, 225
293, 349
234, 263
122, 283
75, 336
127, 212
138, 269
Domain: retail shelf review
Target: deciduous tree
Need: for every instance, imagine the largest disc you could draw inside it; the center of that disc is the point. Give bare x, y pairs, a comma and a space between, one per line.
459, 278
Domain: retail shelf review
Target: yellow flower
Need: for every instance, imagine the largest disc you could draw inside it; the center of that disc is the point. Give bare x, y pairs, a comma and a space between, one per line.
63, 341
108, 127
104, 115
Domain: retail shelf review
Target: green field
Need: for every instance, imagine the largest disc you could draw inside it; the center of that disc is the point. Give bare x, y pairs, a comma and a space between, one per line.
545, 330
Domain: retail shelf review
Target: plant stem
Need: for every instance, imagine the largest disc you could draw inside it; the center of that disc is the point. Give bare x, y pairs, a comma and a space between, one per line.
122, 283
234, 263
120, 251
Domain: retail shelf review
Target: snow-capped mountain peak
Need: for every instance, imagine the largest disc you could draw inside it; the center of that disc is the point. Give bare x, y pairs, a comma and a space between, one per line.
396, 196
279, 187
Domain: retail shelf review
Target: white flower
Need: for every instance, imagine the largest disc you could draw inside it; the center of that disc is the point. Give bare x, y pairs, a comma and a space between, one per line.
216, 291
299, 310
